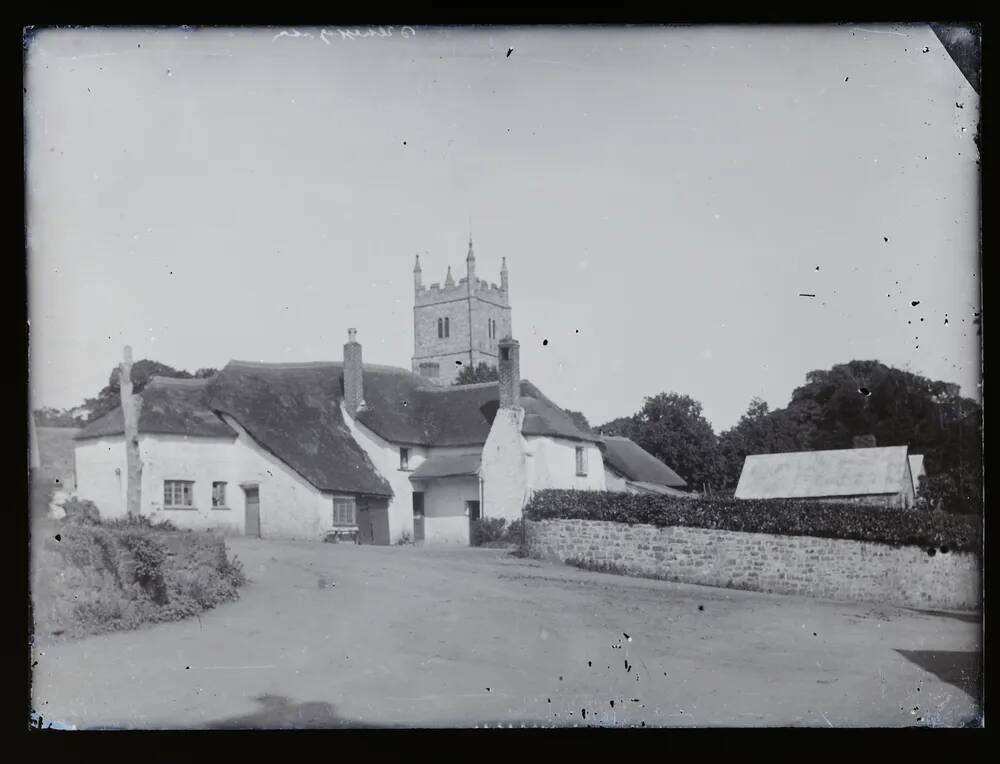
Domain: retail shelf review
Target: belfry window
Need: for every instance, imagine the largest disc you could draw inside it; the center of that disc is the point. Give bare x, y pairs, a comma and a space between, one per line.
440, 328
447, 328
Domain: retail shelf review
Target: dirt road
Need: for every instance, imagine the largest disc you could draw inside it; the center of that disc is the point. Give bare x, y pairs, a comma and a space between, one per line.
329, 635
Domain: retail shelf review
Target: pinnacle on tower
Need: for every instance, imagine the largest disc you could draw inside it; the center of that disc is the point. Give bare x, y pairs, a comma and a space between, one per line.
416, 268
504, 274
418, 283
471, 255
448, 280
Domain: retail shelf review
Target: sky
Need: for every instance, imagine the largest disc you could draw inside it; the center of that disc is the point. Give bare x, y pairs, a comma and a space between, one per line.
664, 197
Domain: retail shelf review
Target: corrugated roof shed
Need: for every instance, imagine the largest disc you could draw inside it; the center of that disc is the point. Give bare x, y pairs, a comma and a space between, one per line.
814, 474
629, 459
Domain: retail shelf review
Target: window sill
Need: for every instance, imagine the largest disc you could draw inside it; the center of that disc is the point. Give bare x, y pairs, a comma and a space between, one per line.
182, 509
223, 508
581, 474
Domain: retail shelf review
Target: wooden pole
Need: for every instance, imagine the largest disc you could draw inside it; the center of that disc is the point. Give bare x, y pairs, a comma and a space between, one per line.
130, 413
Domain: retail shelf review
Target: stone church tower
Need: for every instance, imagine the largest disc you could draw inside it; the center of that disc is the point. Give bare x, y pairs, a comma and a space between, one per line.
459, 324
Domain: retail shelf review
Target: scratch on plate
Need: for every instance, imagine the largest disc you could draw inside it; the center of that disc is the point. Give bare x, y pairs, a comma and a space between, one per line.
878, 31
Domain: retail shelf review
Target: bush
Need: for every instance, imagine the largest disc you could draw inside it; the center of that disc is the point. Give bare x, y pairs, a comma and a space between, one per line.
81, 511
96, 577
896, 527
515, 532
487, 530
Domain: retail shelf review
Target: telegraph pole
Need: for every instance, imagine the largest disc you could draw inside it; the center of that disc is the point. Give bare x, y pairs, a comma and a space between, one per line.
130, 413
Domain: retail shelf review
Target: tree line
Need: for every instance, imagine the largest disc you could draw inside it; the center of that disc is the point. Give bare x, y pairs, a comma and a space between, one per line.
832, 408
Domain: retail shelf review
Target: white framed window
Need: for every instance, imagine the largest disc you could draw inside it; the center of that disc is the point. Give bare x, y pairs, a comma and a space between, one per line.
344, 511
178, 494
581, 461
219, 495
404, 458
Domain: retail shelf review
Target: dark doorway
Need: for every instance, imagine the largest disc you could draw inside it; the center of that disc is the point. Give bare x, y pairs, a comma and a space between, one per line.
252, 520
472, 510
418, 515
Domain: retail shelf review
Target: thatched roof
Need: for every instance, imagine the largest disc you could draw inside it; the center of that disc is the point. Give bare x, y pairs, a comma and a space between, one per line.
814, 474
631, 461
293, 411
169, 407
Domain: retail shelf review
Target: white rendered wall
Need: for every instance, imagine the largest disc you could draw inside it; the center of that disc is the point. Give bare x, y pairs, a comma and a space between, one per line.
95, 463
445, 518
505, 466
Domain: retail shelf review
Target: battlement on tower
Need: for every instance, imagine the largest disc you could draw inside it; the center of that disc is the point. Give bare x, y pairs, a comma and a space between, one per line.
436, 293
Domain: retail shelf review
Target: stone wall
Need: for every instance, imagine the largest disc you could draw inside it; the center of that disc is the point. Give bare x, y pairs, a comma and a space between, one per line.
828, 568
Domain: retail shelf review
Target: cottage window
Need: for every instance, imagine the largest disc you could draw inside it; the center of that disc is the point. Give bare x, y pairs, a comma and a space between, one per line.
178, 493
404, 458
344, 511
218, 495
581, 461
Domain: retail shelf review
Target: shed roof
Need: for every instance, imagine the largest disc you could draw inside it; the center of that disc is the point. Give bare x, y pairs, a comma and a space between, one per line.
452, 465
811, 474
631, 460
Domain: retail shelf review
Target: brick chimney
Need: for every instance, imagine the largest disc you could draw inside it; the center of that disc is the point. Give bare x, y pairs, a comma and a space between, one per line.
354, 397
510, 372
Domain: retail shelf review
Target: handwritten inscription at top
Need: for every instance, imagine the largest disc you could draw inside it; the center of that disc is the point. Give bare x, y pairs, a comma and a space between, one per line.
351, 34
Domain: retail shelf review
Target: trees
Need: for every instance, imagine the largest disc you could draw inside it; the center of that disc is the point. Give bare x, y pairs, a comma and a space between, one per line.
579, 420
672, 428
761, 431
827, 412
47, 416
109, 398
482, 372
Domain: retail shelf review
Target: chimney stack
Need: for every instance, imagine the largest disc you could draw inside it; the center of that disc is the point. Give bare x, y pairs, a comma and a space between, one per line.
510, 372
354, 397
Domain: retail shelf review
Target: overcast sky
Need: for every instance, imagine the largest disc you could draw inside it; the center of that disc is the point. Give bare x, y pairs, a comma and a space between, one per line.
662, 195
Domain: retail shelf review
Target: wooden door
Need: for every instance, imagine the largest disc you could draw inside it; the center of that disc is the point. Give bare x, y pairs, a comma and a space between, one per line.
252, 527
418, 515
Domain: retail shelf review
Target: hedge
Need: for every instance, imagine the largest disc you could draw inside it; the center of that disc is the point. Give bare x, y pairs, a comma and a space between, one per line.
896, 527
91, 577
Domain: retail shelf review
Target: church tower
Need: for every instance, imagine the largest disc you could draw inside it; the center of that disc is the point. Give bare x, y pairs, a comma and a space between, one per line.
459, 324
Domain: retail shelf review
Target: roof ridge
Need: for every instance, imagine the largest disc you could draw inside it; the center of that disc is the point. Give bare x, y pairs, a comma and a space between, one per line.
453, 388
277, 365
158, 380
833, 450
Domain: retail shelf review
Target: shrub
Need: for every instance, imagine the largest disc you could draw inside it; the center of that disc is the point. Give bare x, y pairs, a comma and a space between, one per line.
92, 578
81, 511
896, 527
141, 521
515, 532
487, 530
